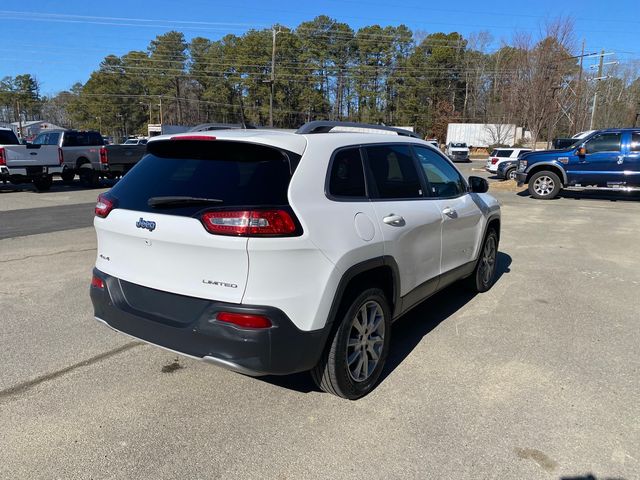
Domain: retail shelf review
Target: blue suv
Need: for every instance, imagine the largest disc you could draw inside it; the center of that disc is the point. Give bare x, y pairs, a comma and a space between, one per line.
604, 160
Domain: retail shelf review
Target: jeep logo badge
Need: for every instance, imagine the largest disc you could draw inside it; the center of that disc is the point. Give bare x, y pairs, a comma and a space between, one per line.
146, 224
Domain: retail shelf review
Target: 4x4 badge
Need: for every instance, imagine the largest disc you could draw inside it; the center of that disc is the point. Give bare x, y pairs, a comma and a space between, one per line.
146, 224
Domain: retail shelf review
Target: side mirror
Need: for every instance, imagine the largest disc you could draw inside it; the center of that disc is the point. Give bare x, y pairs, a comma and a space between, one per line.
478, 184
581, 152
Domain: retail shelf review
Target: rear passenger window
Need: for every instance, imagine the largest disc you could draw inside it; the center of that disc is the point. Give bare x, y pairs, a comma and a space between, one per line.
394, 172
347, 175
504, 153
444, 180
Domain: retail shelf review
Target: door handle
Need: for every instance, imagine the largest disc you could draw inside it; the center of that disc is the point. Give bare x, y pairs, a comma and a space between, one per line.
394, 220
33, 153
450, 212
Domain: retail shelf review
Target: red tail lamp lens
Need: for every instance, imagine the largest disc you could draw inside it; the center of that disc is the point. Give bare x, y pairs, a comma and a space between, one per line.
494, 161
104, 206
97, 282
249, 223
104, 159
244, 320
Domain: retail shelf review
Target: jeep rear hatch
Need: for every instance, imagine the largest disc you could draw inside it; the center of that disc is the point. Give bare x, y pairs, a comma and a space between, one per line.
180, 220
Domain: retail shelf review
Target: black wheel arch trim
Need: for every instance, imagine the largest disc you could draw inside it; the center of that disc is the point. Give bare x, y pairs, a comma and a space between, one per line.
556, 166
362, 267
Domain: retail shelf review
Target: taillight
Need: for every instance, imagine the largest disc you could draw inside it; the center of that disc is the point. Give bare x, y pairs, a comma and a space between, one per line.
97, 282
249, 223
494, 161
3, 160
104, 159
60, 156
104, 206
244, 320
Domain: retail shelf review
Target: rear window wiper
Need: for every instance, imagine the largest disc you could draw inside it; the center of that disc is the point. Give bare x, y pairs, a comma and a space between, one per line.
170, 201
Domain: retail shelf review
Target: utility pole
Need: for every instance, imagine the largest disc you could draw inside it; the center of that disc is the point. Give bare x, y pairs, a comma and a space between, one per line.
19, 119
160, 105
272, 81
578, 119
595, 94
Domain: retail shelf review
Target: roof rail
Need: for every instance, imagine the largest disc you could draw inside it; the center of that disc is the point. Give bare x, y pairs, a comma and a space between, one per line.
205, 127
325, 126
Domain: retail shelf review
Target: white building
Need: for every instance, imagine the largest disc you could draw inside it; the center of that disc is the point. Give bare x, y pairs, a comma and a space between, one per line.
32, 128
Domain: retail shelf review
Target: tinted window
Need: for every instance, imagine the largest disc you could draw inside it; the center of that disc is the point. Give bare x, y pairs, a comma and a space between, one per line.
393, 171
347, 175
7, 137
76, 139
239, 174
504, 153
444, 179
95, 138
605, 142
635, 142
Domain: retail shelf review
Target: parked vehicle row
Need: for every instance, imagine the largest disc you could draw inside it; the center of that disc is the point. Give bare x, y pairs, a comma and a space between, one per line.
66, 153
501, 155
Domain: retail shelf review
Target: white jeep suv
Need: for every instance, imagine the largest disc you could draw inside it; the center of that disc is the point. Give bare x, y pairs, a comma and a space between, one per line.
272, 252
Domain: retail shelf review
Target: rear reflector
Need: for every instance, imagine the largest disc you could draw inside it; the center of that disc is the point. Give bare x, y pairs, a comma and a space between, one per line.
194, 137
244, 320
97, 282
104, 206
249, 223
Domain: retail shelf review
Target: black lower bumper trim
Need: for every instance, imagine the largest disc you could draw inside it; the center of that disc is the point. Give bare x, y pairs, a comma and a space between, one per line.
158, 317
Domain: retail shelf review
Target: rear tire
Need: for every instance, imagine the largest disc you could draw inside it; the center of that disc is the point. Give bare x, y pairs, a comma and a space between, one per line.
484, 275
43, 184
356, 353
544, 185
510, 174
88, 178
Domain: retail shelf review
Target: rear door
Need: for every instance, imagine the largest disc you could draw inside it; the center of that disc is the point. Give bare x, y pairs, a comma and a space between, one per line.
410, 221
462, 219
165, 245
631, 164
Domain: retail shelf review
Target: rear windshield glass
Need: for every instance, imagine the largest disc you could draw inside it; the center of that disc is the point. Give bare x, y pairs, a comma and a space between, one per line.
7, 137
459, 145
504, 153
238, 174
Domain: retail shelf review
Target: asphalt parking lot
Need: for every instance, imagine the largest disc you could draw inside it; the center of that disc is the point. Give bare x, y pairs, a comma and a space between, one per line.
537, 379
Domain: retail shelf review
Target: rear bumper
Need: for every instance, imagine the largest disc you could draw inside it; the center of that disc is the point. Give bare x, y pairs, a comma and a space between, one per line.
187, 325
24, 171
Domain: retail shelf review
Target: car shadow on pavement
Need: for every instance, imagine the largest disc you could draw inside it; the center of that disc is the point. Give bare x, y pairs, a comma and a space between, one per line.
590, 477
612, 196
408, 331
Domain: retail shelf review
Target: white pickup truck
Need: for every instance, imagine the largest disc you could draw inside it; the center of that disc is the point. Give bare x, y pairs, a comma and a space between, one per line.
27, 163
458, 151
